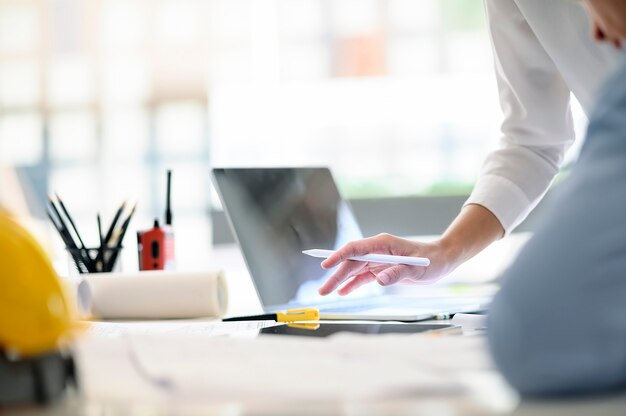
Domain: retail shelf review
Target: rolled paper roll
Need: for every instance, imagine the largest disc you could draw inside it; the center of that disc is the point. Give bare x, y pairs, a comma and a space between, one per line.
157, 295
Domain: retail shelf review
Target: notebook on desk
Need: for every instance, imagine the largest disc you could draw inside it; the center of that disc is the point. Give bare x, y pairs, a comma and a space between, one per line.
276, 213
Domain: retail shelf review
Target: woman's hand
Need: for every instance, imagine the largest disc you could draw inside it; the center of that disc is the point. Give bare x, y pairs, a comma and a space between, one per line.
359, 273
609, 20
471, 231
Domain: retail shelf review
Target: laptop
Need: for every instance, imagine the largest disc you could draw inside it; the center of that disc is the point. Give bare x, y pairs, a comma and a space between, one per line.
276, 213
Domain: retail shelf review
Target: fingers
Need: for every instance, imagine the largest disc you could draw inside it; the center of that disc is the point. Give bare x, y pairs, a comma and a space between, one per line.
376, 244
363, 273
353, 249
347, 269
358, 281
394, 274
422, 281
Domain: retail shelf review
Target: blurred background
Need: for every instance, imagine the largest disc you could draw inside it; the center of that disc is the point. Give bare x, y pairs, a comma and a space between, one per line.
99, 97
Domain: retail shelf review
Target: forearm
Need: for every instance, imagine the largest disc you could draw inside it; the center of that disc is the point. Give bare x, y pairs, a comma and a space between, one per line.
472, 230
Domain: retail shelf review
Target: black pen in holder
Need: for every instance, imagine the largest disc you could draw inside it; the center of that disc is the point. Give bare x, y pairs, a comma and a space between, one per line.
95, 260
101, 259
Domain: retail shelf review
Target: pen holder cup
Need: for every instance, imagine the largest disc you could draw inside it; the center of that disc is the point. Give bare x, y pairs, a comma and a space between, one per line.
95, 260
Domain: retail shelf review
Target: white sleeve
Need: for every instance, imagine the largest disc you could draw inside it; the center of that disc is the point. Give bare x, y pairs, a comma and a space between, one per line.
537, 128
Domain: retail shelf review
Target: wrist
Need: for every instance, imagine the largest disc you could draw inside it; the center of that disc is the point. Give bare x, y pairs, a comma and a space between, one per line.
472, 230
453, 249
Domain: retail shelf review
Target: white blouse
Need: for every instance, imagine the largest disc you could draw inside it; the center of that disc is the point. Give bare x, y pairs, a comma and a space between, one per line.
543, 49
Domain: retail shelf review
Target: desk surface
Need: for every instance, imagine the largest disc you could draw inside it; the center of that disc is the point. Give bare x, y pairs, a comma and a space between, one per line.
492, 398
487, 394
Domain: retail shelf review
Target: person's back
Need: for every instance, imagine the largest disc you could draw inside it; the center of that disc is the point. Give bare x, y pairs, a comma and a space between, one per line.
558, 325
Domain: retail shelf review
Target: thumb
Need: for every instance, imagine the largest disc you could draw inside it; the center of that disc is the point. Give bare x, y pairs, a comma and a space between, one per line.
394, 274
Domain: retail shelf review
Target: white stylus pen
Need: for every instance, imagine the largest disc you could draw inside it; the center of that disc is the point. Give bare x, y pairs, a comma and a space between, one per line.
374, 258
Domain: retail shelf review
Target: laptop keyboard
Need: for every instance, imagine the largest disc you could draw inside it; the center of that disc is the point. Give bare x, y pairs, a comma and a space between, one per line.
412, 304
363, 304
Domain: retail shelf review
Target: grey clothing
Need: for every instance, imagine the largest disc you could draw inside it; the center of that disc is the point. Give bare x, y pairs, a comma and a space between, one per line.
558, 325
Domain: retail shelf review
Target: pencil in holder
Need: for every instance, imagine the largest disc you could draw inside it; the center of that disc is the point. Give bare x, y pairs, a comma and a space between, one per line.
95, 260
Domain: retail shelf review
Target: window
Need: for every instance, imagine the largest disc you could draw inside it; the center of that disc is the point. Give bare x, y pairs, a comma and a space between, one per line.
397, 96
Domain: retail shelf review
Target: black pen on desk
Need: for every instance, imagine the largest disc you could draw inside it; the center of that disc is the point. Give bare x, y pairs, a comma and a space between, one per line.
291, 315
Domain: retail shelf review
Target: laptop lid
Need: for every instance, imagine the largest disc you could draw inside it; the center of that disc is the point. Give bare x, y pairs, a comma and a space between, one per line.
275, 213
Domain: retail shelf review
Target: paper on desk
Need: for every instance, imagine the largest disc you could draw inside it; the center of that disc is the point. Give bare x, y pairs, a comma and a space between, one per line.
470, 322
157, 295
441, 354
180, 327
278, 368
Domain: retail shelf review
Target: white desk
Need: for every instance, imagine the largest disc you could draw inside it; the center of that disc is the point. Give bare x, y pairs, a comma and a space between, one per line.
488, 397
486, 393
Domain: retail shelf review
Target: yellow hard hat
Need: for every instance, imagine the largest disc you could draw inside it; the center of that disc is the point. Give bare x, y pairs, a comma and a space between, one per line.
35, 311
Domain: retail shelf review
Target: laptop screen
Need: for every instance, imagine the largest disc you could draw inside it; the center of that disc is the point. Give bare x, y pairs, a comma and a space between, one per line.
277, 213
